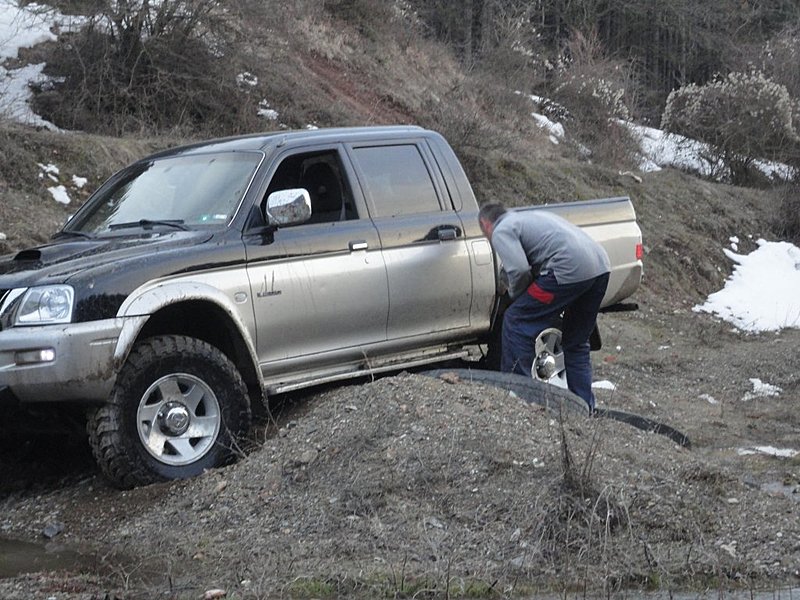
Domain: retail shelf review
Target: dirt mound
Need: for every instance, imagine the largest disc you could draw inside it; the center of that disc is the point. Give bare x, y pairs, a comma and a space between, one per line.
413, 484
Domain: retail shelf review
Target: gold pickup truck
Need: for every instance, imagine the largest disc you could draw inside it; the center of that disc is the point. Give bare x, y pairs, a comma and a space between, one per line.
198, 281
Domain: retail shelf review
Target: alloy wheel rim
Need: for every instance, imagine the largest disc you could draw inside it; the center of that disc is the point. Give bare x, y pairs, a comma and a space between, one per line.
178, 419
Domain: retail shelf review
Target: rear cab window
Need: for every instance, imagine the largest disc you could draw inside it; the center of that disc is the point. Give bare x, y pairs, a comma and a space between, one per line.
397, 180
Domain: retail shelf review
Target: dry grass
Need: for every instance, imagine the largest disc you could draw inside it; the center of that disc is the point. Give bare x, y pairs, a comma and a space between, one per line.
788, 216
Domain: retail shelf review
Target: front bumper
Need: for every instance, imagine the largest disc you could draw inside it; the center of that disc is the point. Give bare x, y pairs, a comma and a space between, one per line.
75, 362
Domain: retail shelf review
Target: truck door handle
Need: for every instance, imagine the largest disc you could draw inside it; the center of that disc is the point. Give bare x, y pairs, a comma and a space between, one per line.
447, 234
358, 245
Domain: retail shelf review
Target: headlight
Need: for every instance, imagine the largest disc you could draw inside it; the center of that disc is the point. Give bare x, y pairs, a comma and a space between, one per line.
46, 305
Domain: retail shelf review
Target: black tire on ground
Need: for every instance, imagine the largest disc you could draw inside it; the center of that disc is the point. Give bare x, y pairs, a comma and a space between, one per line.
556, 398
544, 394
179, 407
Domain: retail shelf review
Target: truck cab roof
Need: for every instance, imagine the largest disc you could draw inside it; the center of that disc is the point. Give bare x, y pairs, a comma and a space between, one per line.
262, 142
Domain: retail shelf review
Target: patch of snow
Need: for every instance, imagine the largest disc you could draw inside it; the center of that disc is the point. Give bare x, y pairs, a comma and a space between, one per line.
59, 193
761, 390
708, 398
23, 27
555, 130
79, 182
3, 236
247, 79
266, 112
775, 170
769, 451
763, 293
49, 169
662, 149
604, 385
15, 93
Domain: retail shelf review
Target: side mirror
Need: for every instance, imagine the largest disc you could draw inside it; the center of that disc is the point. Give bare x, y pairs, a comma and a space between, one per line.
288, 207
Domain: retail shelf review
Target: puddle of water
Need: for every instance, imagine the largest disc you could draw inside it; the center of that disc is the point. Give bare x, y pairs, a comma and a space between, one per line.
18, 557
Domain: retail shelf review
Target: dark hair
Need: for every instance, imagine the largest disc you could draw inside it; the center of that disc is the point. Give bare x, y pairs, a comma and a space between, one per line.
491, 212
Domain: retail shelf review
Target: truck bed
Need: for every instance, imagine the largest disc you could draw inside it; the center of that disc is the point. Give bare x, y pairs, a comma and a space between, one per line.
611, 222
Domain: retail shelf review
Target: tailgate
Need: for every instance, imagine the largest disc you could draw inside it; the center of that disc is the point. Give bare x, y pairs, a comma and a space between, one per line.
612, 222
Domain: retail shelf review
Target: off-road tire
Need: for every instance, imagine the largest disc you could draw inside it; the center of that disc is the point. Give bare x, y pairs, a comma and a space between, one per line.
113, 427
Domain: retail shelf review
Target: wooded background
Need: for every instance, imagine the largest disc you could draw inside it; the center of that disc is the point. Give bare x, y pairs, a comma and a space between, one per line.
668, 44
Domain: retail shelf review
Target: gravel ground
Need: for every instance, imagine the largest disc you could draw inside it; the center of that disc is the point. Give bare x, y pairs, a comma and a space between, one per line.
412, 485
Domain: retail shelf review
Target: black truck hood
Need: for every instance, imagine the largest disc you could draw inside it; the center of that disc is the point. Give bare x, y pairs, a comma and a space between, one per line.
104, 271
58, 261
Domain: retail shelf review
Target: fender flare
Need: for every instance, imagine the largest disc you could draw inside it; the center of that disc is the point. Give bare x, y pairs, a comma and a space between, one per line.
150, 298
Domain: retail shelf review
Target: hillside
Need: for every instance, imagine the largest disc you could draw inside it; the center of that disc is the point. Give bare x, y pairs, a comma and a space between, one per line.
414, 487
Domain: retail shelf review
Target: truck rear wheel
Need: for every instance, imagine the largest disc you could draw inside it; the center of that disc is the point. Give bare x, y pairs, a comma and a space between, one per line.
178, 407
548, 358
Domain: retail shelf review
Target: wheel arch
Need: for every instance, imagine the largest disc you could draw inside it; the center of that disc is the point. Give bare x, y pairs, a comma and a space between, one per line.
196, 311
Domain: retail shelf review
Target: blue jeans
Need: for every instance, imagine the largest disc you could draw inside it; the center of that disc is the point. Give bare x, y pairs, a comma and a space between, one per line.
539, 308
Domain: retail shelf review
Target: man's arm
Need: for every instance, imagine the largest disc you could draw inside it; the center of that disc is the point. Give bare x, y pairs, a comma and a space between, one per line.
515, 262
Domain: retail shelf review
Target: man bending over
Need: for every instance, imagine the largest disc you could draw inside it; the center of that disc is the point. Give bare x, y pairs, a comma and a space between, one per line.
553, 267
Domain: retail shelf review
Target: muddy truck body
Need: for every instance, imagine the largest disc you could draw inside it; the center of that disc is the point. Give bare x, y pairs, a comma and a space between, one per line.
199, 281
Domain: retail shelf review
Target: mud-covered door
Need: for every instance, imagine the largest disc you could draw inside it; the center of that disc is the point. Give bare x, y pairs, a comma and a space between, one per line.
319, 288
427, 262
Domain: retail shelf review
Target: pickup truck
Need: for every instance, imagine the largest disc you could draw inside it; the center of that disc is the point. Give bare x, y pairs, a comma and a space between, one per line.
198, 281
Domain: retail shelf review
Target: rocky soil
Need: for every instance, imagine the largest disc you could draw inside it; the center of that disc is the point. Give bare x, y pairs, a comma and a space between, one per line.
413, 485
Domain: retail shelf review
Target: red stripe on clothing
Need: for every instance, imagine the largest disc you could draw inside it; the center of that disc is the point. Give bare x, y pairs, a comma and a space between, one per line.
541, 295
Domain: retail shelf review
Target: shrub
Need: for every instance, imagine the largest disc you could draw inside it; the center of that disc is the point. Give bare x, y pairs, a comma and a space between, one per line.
144, 65
741, 116
597, 92
590, 82
367, 15
467, 117
779, 58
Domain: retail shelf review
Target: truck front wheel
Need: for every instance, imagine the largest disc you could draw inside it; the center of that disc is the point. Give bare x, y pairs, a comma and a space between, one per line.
178, 407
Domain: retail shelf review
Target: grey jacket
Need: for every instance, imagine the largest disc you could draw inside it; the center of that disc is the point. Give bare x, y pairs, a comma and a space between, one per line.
545, 242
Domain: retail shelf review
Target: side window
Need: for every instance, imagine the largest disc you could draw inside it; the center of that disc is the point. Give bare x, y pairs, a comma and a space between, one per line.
320, 173
397, 179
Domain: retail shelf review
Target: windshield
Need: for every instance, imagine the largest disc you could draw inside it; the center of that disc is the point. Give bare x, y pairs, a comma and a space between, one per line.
177, 192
